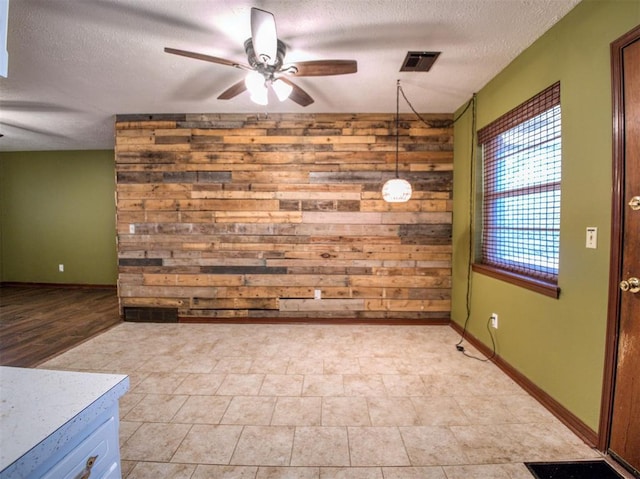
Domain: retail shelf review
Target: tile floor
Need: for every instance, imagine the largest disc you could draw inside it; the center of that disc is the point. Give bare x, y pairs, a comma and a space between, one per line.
317, 401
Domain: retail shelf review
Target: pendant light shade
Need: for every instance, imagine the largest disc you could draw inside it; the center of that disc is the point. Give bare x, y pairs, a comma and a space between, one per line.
397, 190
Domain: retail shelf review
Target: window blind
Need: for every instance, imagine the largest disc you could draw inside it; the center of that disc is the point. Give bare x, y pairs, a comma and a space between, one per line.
521, 183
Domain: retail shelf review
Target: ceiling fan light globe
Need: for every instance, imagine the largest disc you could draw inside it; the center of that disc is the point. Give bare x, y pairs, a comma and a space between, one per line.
254, 82
260, 98
282, 89
396, 190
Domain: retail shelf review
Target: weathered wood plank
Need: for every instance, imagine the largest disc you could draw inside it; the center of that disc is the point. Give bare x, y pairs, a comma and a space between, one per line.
322, 305
244, 215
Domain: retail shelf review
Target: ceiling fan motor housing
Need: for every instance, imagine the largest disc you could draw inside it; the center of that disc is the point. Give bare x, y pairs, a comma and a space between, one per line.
261, 65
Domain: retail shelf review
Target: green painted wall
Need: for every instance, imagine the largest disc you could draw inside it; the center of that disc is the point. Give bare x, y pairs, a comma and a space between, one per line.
58, 207
557, 344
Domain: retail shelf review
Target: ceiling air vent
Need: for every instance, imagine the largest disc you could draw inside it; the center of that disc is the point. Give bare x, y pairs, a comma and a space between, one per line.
419, 61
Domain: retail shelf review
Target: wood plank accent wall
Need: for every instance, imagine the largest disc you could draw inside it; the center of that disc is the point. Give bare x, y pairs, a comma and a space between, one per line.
243, 216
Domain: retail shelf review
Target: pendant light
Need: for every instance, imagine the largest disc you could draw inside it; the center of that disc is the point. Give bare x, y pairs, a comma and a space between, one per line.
397, 190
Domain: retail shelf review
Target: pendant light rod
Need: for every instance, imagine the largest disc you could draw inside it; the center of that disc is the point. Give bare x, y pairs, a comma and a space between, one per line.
397, 190
397, 124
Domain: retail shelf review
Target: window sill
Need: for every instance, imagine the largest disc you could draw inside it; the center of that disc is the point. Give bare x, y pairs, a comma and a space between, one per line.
539, 286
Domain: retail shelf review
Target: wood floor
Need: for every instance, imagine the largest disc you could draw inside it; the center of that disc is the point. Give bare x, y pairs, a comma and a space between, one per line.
38, 323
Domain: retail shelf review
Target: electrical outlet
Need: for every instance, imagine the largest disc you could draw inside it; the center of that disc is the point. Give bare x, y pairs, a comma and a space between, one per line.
494, 320
132, 229
317, 294
61, 268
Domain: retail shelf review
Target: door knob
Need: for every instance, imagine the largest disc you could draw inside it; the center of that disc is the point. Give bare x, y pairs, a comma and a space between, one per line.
631, 284
635, 203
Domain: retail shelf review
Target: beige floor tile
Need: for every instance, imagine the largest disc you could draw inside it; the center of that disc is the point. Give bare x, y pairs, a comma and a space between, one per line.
225, 472
432, 445
128, 361
233, 365
159, 383
549, 442
249, 410
378, 366
156, 408
305, 366
241, 385
341, 366
517, 471
323, 385
156, 470
264, 445
494, 382
205, 444
282, 385
439, 411
485, 410
328, 396
203, 384
396, 411
127, 428
154, 442
160, 363
490, 444
404, 385
451, 383
297, 411
135, 377
197, 363
377, 446
128, 402
288, 473
271, 365
345, 411
494, 471
411, 472
365, 385
126, 467
526, 409
351, 473
202, 410
320, 446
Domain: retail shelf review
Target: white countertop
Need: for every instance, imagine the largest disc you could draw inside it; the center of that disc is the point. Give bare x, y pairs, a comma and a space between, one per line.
39, 408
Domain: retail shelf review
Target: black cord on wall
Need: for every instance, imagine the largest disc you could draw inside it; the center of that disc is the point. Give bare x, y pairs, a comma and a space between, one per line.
433, 124
472, 177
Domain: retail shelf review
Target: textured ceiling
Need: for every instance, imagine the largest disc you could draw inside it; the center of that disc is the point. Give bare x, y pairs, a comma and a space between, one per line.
74, 64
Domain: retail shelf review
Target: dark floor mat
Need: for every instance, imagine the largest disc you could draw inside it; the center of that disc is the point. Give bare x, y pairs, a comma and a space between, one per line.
573, 470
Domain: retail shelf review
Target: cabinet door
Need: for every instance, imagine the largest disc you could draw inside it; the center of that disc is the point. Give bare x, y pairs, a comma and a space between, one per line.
101, 444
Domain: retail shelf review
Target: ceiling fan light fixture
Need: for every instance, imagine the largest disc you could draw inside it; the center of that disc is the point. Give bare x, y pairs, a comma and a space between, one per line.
254, 82
257, 87
282, 89
260, 98
265, 58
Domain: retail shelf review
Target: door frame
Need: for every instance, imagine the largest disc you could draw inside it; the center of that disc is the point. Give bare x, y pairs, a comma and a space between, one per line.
617, 211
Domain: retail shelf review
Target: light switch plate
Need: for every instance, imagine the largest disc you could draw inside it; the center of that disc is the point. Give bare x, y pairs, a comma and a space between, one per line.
592, 237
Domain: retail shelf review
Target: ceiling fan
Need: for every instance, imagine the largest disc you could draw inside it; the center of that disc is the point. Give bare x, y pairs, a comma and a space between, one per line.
266, 68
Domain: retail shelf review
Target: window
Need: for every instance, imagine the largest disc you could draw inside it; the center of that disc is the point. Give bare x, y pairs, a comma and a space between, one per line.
521, 153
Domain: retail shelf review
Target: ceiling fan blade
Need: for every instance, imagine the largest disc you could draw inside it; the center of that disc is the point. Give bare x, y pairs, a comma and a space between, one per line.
298, 95
233, 91
264, 36
206, 58
324, 67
